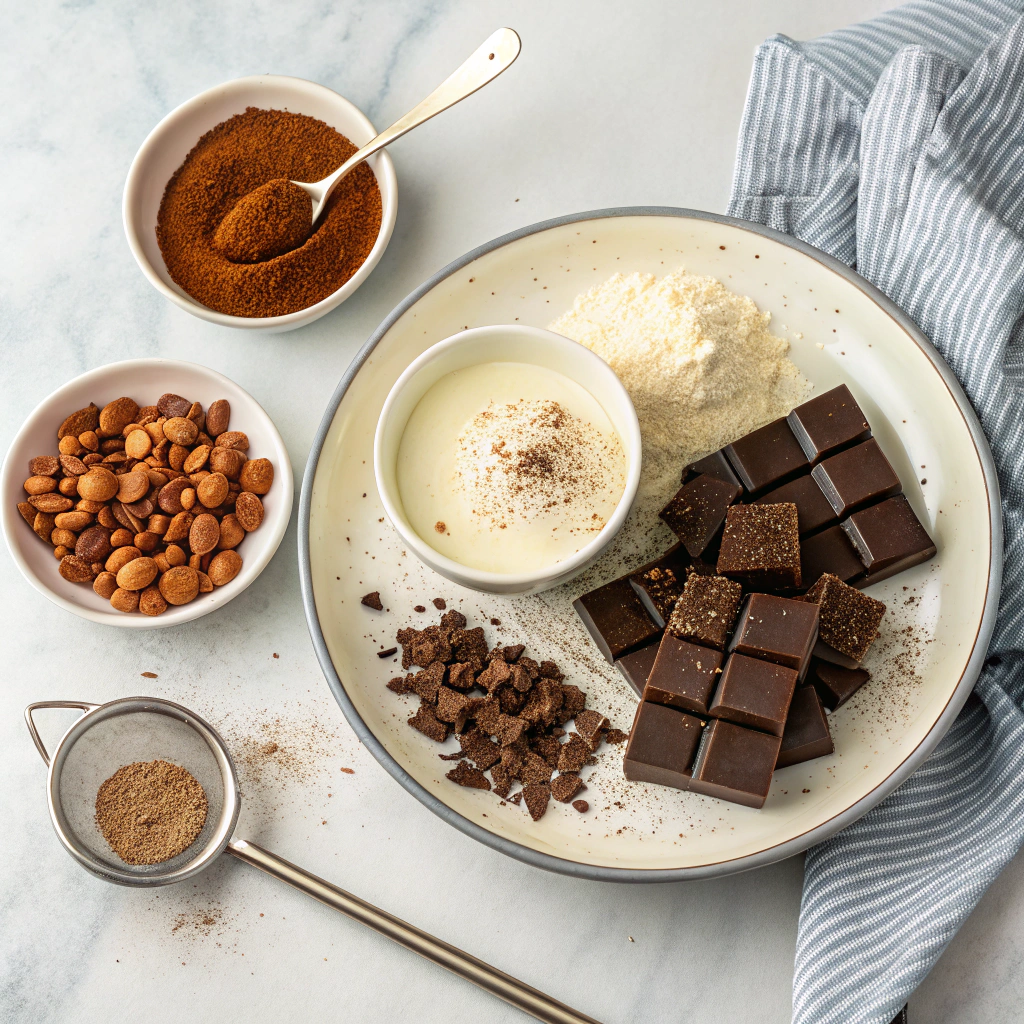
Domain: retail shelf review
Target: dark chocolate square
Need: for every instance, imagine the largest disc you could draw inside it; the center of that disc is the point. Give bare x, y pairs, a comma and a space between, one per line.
684, 675
616, 619
761, 546
735, 764
707, 610
856, 477
715, 464
661, 746
813, 510
834, 683
829, 551
697, 512
828, 422
636, 666
766, 457
887, 535
779, 629
807, 734
658, 590
754, 693
849, 620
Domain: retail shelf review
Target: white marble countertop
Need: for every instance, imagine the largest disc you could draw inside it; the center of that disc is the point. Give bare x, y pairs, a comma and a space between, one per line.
610, 104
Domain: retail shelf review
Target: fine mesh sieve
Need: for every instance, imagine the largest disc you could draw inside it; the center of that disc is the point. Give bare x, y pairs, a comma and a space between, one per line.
109, 736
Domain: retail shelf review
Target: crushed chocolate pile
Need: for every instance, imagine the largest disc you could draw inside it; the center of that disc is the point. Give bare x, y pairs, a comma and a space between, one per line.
507, 710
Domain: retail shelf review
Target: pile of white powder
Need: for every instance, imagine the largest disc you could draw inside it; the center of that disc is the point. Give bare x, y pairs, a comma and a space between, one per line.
698, 361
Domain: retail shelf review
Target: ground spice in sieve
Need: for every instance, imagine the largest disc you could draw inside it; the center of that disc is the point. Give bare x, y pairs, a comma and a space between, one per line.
150, 811
229, 162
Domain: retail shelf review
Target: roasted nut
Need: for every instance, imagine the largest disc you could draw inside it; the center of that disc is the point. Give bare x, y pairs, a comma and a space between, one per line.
175, 555
89, 440
132, 486
112, 446
178, 527
146, 542
228, 461
74, 521
205, 584
40, 485
85, 419
204, 534
69, 446
28, 512
196, 458
138, 444
169, 497
105, 584
171, 405
98, 484
94, 544
68, 486
125, 518
156, 478
257, 476
62, 538
158, 523
124, 600
75, 569
141, 509
233, 439
231, 532
177, 455
196, 562
116, 415
156, 432
179, 585
120, 557
147, 414
61, 551
137, 574
51, 503
180, 430
92, 459
44, 465
224, 567
97, 568
188, 498
151, 601
105, 517
121, 537
161, 561
73, 465
43, 525
213, 489
217, 417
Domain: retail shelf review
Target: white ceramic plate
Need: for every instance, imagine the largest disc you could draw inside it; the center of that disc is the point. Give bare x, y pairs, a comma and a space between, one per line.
841, 329
144, 380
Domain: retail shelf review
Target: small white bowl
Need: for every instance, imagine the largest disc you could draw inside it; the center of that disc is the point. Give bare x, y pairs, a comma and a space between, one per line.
145, 380
504, 343
169, 143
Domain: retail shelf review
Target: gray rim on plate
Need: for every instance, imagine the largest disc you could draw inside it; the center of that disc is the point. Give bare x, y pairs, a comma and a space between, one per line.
781, 850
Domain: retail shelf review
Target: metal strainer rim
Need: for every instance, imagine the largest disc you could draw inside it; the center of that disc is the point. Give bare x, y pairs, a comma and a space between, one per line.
221, 835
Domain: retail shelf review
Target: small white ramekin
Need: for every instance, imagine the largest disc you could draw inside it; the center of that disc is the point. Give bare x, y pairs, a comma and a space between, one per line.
169, 143
145, 380
504, 343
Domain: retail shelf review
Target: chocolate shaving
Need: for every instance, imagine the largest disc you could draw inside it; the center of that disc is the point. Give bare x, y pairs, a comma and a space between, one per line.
387, 653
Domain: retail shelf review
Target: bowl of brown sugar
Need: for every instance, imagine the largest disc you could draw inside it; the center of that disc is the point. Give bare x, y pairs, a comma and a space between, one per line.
223, 145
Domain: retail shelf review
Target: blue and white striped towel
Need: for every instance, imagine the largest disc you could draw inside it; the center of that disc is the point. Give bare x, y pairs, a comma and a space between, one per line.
898, 147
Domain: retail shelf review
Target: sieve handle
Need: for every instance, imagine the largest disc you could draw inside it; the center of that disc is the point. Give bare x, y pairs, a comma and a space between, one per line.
489, 978
34, 732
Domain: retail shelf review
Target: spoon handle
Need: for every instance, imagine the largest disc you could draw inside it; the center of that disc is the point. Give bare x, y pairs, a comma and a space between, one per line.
489, 978
497, 52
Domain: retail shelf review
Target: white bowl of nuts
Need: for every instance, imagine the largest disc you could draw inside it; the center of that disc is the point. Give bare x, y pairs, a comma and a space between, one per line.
129, 495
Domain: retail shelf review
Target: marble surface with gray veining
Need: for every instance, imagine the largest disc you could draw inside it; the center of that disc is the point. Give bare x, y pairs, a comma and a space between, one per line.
610, 104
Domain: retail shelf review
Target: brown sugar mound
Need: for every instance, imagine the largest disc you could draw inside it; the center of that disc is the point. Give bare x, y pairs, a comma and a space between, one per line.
232, 160
150, 811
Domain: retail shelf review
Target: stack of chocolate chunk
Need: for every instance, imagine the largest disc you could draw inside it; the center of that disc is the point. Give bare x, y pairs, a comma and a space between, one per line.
788, 521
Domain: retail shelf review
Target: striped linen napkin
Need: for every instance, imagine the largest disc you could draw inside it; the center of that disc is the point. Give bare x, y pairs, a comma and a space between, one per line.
898, 147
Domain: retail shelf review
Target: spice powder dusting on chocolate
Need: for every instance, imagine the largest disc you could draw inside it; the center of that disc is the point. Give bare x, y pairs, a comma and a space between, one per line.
236, 157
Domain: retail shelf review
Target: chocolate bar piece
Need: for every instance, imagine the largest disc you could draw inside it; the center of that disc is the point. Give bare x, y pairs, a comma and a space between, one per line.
697, 512
807, 735
735, 764
661, 746
823, 652
830, 551
715, 464
754, 693
766, 457
761, 546
829, 422
779, 629
684, 675
675, 559
636, 666
849, 620
834, 683
658, 590
856, 477
888, 537
813, 510
707, 610
616, 619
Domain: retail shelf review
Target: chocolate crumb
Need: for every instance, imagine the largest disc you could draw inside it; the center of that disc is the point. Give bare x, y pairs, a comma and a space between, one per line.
537, 797
419, 608
495, 622
565, 787
439, 603
440, 526
382, 654
581, 805
515, 798
464, 774
372, 600
616, 736
153, 675
276, 655
426, 722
